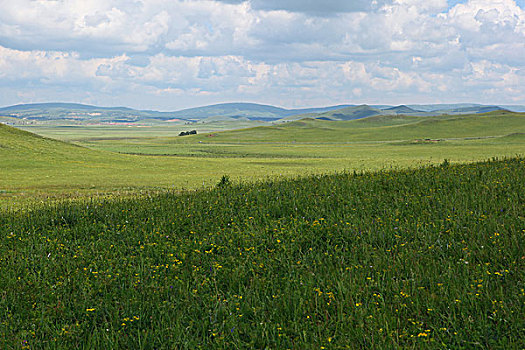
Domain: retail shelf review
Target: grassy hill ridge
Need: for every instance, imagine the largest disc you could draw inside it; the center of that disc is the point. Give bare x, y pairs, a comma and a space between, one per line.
26, 151
14, 138
378, 128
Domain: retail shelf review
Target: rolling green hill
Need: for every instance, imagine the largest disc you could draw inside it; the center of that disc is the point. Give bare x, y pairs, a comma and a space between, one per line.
232, 110
35, 168
19, 147
350, 113
380, 128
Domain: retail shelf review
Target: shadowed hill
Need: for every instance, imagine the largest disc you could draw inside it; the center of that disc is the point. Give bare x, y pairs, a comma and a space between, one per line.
402, 110
351, 113
252, 111
477, 109
347, 113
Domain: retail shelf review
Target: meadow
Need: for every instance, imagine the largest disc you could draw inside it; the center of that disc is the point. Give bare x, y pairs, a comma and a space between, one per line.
122, 160
423, 258
385, 232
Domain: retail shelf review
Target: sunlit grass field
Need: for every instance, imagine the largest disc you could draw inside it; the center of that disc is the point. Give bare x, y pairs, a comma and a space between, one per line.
428, 258
123, 160
79, 132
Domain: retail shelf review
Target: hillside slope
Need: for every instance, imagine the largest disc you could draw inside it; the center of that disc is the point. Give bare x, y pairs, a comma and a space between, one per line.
411, 259
379, 128
19, 144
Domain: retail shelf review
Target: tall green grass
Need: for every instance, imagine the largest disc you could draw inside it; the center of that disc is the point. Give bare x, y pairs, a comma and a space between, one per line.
428, 258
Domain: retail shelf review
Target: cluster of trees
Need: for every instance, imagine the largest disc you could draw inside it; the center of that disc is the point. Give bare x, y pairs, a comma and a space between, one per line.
186, 133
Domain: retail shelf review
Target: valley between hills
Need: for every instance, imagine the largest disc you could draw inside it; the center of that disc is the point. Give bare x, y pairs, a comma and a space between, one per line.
69, 161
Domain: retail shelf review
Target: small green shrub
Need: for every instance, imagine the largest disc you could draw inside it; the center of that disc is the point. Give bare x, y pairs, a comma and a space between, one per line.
224, 182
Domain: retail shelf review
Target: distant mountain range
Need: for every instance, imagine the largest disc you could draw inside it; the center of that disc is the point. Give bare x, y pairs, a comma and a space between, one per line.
364, 111
231, 112
80, 112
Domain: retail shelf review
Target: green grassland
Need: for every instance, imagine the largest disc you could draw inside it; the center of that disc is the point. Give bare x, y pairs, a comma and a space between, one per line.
326, 234
418, 259
154, 158
37, 167
144, 129
381, 129
316, 138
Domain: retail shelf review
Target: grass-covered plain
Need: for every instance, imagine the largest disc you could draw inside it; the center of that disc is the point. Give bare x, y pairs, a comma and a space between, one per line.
34, 167
332, 135
427, 258
154, 159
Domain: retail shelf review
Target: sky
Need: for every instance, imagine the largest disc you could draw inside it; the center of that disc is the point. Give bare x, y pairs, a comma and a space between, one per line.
175, 54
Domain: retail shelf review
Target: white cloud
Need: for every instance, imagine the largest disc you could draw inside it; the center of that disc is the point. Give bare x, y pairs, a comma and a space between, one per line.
493, 30
304, 52
474, 14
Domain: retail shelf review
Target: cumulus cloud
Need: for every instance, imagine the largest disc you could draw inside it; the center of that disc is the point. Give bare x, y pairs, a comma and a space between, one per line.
490, 29
287, 52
